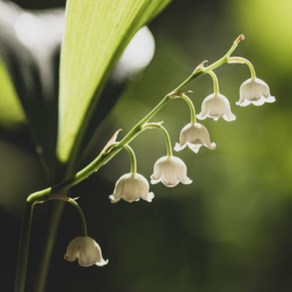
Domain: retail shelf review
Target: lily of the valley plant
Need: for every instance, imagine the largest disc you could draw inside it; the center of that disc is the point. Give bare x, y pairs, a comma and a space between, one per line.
169, 169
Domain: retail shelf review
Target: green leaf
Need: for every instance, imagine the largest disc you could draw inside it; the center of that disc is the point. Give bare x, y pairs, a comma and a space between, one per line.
96, 34
11, 111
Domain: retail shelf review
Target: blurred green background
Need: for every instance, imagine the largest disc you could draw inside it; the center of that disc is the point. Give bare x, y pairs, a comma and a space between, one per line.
228, 231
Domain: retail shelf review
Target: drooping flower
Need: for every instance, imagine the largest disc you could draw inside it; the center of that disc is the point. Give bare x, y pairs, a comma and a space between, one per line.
254, 91
86, 250
194, 135
170, 170
216, 106
131, 187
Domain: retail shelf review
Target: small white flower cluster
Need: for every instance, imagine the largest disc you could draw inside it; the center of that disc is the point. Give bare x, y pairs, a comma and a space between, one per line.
252, 91
194, 135
171, 170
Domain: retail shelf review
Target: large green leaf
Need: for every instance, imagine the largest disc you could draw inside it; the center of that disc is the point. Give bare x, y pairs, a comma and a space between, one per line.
96, 33
11, 111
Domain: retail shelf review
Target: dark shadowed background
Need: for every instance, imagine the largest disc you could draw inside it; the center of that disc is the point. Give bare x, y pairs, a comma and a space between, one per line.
229, 231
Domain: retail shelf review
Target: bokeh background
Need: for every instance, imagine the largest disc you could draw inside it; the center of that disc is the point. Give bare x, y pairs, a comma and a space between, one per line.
228, 231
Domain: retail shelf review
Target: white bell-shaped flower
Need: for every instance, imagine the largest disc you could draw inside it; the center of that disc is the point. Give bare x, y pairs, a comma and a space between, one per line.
194, 135
254, 91
216, 106
131, 187
86, 250
170, 170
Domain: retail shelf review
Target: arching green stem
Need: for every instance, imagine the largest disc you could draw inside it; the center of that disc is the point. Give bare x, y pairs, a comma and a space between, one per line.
66, 199
242, 60
105, 156
165, 134
132, 157
81, 214
222, 60
191, 107
72, 202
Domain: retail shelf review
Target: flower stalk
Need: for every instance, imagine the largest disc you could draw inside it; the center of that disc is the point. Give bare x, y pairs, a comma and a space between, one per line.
23, 250
191, 107
215, 81
241, 60
165, 134
60, 197
132, 158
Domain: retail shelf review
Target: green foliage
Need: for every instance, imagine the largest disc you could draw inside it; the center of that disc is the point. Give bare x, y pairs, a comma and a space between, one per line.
96, 34
11, 111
